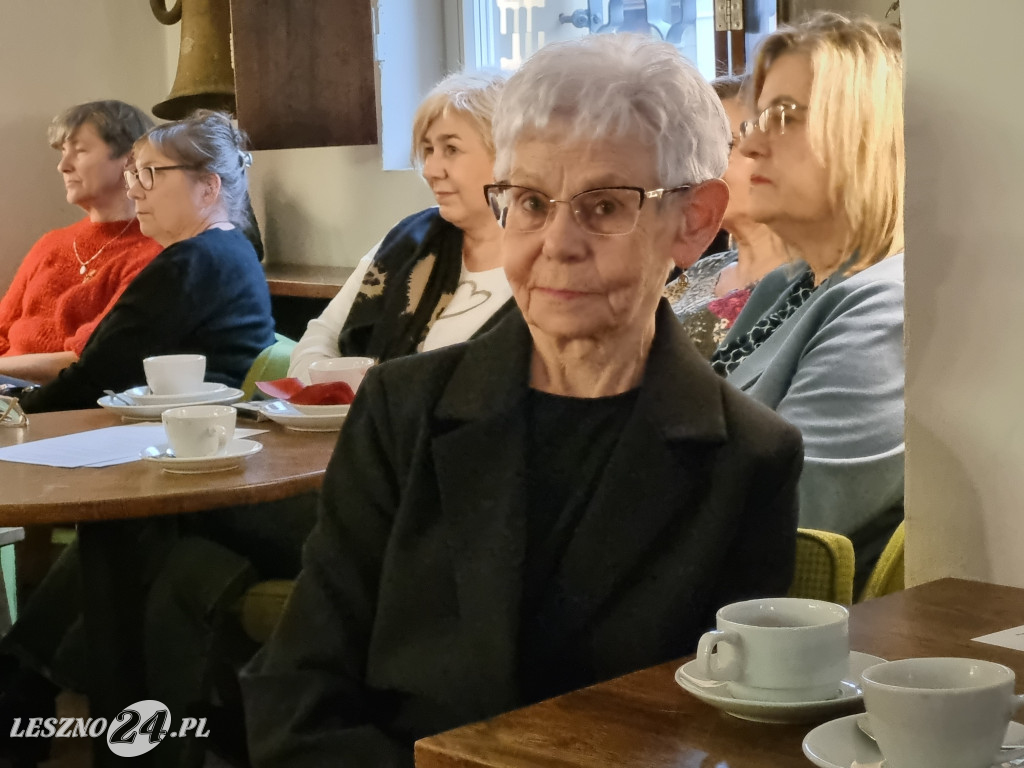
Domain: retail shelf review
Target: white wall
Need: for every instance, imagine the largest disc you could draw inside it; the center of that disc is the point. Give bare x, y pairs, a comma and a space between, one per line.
55, 53
965, 279
329, 205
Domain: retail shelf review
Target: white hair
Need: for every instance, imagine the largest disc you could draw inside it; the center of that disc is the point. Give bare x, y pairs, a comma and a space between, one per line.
618, 85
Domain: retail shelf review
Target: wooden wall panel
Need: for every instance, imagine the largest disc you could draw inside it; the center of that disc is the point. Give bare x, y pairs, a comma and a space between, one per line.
305, 72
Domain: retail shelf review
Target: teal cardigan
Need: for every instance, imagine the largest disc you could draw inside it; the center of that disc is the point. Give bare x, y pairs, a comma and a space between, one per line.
835, 370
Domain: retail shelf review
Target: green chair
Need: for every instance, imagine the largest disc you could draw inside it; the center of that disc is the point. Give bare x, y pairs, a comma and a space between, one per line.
887, 575
824, 571
8, 573
272, 363
824, 566
261, 606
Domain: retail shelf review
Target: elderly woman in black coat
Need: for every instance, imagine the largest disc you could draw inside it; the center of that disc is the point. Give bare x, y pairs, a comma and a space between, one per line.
567, 498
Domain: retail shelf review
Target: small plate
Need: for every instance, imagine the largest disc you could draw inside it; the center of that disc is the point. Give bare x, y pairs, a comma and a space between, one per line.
153, 411
841, 744
321, 410
208, 390
288, 416
236, 451
717, 695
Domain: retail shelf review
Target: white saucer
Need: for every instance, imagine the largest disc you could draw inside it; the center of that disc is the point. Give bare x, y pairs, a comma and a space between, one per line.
207, 391
717, 695
288, 416
152, 411
841, 744
236, 451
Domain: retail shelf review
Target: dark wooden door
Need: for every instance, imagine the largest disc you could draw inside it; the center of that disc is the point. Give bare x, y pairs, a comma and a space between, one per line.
305, 74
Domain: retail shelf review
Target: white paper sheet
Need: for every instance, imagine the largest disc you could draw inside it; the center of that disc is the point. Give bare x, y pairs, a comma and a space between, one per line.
95, 448
1007, 638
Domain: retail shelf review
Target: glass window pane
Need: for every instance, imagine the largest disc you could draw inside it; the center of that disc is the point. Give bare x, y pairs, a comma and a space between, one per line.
501, 34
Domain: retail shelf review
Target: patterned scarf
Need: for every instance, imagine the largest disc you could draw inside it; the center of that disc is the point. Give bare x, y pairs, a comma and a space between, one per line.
729, 356
412, 278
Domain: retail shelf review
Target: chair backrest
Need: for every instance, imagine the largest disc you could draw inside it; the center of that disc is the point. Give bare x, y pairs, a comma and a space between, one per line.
887, 575
272, 363
824, 566
261, 607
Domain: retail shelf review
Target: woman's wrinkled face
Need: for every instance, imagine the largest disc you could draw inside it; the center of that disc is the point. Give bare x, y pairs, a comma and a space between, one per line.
788, 184
173, 210
92, 175
457, 165
737, 174
569, 283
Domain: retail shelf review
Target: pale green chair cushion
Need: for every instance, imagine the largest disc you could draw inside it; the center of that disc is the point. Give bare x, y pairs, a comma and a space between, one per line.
272, 363
824, 566
887, 575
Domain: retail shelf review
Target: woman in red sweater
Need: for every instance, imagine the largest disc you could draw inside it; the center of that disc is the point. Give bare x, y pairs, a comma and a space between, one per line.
72, 276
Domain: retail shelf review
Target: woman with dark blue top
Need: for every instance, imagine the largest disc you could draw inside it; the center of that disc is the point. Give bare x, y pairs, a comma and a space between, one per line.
205, 293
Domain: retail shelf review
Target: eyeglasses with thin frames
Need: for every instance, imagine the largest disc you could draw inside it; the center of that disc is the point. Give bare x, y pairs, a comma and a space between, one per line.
146, 175
602, 211
11, 414
772, 120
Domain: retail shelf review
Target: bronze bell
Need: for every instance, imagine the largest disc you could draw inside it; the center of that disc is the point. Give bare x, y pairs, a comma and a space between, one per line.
205, 79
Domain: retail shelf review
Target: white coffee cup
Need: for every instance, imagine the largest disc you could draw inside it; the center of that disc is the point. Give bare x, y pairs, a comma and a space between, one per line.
198, 431
174, 374
348, 369
778, 649
939, 712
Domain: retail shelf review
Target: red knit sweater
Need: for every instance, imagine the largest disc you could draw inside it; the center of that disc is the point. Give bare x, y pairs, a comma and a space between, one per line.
50, 306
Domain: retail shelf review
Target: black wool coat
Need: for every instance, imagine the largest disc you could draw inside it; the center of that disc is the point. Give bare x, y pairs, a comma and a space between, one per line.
405, 620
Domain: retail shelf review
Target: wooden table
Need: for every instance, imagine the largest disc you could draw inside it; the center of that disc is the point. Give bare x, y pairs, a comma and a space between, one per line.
644, 720
108, 503
290, 463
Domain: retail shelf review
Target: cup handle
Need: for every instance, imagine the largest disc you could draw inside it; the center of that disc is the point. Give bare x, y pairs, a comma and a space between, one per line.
717, 670
1016, 702
1007, 755
222, 438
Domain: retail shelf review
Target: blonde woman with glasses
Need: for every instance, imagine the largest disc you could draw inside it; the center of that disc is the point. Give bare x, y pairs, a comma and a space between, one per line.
821, 340
436, 278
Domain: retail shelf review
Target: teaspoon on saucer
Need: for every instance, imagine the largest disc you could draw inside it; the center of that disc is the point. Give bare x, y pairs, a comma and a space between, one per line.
864, 724
118, 398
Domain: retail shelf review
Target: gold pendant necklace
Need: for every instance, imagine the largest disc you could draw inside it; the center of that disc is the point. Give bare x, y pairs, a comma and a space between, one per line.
91, 259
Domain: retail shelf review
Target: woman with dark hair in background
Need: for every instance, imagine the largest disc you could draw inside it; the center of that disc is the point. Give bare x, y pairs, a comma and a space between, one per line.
708, 297
73, 276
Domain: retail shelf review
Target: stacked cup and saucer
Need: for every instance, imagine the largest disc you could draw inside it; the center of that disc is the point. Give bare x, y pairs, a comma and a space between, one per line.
200, 438
778, 660
926, 713
171, 381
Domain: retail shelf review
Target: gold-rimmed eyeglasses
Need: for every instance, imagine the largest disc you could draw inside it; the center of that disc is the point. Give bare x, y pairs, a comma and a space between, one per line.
146, 175
602, 211
11, 414
772, 120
